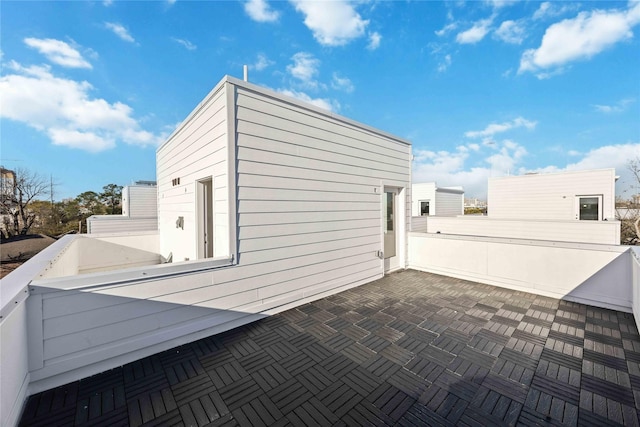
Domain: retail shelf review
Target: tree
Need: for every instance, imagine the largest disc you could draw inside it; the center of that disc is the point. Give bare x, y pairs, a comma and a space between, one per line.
111, 196
27, 186
90, 203
629, 216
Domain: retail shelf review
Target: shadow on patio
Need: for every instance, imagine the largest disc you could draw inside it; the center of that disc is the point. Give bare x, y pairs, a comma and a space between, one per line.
410, 349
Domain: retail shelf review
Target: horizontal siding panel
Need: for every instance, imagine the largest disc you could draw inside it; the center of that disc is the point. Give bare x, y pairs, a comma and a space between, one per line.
305, 184
214, 110
312, 165
321, 125
250, 245
354, 148
316, 154
270, 206
306, 284
126, 309
287, 195
58, 303
295, 217
261, 231
310, 249
294, 171
114, 332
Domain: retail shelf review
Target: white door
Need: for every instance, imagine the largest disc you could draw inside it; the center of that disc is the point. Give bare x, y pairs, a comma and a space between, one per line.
205, 218
390, 218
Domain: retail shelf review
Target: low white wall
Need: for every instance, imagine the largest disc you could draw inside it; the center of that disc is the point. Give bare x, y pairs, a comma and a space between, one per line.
635, 282
419, 224
599, 232
597, 275
89, 255
14, 369
14, 372
120, 224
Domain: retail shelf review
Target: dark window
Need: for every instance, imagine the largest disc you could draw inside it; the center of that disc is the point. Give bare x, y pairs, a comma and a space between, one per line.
424, 208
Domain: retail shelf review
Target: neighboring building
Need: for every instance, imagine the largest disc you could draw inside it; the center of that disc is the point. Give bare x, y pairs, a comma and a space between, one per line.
576, 207
7, 189
139, 211
475, 203
428, 199
140, 200
583, 195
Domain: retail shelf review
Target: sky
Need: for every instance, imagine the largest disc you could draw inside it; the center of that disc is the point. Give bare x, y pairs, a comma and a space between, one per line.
89, 90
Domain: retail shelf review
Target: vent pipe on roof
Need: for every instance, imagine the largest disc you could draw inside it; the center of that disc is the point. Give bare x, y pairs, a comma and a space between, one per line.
245, 68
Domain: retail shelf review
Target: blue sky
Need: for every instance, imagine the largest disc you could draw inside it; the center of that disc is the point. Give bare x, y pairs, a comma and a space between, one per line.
88, 90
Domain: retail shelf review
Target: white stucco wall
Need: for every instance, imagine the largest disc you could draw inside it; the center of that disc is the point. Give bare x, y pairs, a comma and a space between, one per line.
597, 275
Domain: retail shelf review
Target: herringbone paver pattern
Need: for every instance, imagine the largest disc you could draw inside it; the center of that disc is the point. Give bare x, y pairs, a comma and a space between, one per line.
409, 349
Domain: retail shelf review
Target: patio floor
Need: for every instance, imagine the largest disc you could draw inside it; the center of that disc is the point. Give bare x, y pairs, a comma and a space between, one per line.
410, 349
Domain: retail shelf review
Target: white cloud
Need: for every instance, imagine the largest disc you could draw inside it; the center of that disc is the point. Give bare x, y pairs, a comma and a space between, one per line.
618, 107
107, 3
342, 83
374, 41
495, 128
608, 156
444, 64
476, 33
446, 29
186, 43
119, 31
305, 69
452, 168
498, 4
259, 10
549, 10
333, 23
58, 52
64, 110
471, 166
324, 103
262, 62
511, 32
580, 38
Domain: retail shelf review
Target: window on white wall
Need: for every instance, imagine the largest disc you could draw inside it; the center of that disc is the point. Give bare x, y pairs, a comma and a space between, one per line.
424, 207
589, 208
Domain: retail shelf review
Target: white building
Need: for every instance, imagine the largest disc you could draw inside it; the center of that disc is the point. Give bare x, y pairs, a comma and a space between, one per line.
253, 177
587, 195
139, 211
429, 199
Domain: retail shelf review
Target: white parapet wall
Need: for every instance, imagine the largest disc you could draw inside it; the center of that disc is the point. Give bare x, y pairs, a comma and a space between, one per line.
598, 275
598, 232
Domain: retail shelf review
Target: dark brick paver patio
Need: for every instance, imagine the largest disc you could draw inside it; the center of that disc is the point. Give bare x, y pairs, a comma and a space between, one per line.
410, 349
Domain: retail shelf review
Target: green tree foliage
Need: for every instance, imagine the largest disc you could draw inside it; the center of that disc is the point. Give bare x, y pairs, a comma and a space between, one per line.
90, 203
111, 196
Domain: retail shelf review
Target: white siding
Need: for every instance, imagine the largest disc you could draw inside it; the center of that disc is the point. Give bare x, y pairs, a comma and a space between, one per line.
195, 151
449, 203
549, 196
309, 223
140, 201
119, 224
